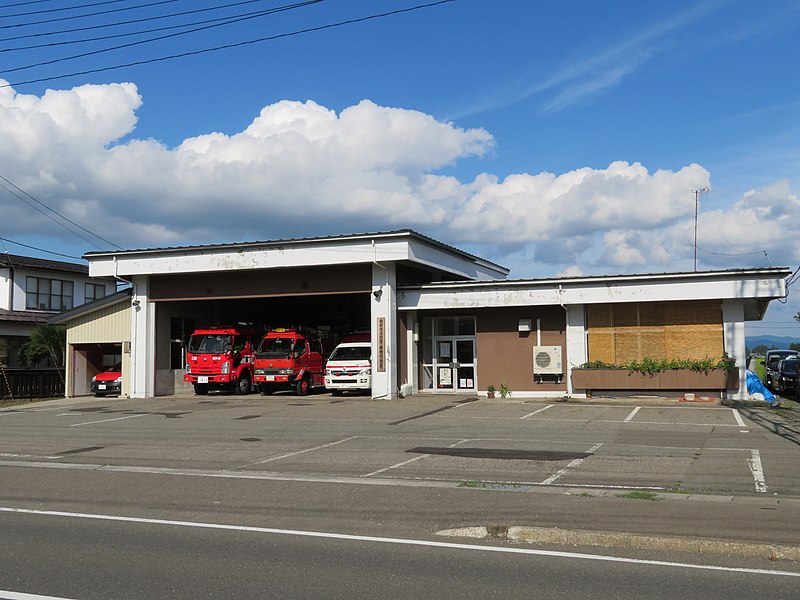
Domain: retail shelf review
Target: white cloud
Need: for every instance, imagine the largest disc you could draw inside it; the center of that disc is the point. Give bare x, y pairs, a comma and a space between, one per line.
300, 169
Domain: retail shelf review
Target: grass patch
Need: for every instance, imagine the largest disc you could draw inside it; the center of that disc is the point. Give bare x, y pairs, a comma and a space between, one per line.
472, 484
639, 495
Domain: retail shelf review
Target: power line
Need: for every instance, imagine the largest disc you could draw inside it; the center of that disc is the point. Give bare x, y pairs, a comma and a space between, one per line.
54, 212
131, 21
83, 16
2, 239
26, 3
164, 37
131, 33
61, 9
234, 45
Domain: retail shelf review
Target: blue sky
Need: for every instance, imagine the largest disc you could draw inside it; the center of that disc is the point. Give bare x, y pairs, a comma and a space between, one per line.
550, 137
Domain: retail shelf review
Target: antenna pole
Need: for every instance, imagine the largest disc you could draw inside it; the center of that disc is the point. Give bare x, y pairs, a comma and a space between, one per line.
696, 206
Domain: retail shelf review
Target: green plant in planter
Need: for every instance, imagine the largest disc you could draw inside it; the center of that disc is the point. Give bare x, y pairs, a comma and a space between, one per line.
504, 391
652, 366
490, 390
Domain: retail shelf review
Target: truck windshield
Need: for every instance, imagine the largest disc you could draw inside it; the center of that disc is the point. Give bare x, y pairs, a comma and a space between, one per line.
276, 347
351, 353
210, 343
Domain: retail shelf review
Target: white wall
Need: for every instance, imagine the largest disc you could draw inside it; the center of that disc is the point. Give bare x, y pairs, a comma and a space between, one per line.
78, 293
5, 289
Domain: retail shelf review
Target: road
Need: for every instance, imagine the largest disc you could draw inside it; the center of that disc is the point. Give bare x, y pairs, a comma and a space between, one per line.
392, 471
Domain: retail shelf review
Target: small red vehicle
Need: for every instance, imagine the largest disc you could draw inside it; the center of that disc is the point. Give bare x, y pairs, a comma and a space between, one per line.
221, 358
289, 359
108, 382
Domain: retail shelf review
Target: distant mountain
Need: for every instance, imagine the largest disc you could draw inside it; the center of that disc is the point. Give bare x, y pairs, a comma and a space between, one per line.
779, 341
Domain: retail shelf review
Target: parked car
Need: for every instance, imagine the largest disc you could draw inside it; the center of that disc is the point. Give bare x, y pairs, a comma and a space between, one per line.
108, 382
785, 375
771, 361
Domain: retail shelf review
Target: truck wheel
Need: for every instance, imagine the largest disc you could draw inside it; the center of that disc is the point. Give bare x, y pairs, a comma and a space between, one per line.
303, 386
265, 389
243, 385
200, 389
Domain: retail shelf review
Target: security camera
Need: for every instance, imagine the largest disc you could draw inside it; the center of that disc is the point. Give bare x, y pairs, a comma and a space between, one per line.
377, 294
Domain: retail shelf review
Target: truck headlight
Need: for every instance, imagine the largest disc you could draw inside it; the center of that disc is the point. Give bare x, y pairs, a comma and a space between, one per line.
188, 368
226, 368
365, 371
286, 371
260, 372
118, 379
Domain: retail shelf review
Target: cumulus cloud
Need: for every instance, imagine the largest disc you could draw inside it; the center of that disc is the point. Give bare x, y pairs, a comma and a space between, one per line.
301, 169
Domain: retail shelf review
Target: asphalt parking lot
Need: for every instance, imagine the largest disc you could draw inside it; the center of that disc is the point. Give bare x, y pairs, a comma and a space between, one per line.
520, 445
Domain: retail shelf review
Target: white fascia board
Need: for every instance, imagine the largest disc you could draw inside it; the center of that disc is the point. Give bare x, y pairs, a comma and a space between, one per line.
600, 292
456, 264
202, 260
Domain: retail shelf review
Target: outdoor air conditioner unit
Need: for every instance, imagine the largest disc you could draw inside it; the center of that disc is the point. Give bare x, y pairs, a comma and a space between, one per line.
547, 360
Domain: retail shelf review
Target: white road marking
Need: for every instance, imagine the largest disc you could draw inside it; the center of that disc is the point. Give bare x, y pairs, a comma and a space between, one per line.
398, 541
409, 461
6, 595
632, 414
537, 411
289, 454
758, 472
108, 420
738, 418
37, 456
572, 465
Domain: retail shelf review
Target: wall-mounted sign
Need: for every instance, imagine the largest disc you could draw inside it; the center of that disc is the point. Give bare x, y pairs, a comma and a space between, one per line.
381, 329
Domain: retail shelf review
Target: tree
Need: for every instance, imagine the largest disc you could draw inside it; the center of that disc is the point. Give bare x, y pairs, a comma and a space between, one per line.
761, 349
46, 341
794, 346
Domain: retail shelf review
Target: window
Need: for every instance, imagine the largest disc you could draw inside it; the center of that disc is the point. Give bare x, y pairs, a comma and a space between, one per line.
48, 294
94, 291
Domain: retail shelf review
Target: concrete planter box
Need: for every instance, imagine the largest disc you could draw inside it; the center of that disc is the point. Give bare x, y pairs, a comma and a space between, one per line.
671, 379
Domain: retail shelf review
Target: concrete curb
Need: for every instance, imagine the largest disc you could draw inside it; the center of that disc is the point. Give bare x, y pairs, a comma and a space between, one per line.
605, 539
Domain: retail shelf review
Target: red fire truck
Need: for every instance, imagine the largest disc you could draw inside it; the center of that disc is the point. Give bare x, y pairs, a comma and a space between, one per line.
221, 358
289, 359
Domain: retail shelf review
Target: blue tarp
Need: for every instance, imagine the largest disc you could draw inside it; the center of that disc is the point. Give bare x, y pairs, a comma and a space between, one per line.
754, 386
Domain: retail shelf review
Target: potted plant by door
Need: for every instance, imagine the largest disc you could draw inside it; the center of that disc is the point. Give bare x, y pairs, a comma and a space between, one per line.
490, 391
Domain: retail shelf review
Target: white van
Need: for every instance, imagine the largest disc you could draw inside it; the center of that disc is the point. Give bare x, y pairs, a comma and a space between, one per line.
349, 367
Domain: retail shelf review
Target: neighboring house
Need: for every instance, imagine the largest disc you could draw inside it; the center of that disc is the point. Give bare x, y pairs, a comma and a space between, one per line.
441, 320
32, 290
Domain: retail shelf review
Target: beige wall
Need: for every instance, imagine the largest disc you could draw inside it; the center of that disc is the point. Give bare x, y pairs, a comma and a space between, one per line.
107, 325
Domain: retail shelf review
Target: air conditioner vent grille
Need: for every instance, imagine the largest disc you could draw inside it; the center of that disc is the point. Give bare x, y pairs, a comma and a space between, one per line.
547, 360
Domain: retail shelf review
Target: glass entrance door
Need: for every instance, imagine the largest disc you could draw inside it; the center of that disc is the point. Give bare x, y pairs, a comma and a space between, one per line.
454, 365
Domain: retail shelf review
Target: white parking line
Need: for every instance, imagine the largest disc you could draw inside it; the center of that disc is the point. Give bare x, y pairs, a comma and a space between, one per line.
758, 472
572, 465
34, 456
537, 411
738, 418
632, 414
6, 595
400, 541
108, 420
288, 454
409, 461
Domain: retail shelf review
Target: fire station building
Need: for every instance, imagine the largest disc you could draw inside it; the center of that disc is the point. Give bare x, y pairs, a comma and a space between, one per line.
441, 320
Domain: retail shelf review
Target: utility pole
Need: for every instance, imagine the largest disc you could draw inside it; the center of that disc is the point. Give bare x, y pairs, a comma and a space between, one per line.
696, 205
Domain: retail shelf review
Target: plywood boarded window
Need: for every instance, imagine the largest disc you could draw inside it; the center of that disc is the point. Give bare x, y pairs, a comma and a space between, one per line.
621, 333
